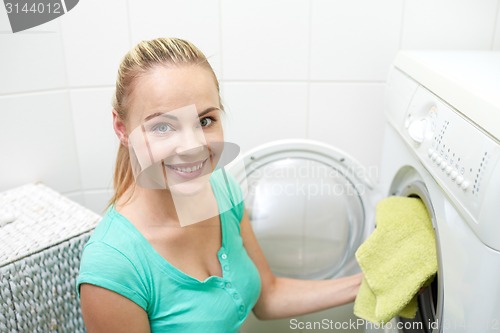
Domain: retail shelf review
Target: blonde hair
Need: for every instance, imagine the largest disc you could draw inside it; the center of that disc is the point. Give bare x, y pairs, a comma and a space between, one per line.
138, 61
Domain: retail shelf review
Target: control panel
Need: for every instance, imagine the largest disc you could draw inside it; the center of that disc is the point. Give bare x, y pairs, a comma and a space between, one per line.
459, 155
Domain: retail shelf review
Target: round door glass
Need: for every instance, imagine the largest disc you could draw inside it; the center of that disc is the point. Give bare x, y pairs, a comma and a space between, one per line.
307, 216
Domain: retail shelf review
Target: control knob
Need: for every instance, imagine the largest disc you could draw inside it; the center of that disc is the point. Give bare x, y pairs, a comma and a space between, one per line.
418, 129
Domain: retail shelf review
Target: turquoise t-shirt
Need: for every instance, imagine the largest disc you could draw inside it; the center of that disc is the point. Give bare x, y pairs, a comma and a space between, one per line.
118, 257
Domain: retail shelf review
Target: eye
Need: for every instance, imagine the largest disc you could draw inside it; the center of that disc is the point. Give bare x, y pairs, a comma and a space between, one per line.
161, 128
207, 121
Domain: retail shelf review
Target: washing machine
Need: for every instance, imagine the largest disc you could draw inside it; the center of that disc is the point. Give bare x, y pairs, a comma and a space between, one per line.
312, 205
442, 145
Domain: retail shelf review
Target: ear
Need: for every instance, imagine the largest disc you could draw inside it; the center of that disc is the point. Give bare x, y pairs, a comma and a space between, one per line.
120, 128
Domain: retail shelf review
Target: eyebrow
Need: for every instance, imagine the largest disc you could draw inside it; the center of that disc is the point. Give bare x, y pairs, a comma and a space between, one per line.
166, 115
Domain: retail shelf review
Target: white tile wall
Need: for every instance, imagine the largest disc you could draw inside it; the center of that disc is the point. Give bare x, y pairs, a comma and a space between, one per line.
496, 40
96, 37
31, 60
349, 117
51, 26
97, 201
449, 24
354, 40
4, 22
37, 141
289, 68
76, 197
258, 113
196, 21
96, 141
265, 39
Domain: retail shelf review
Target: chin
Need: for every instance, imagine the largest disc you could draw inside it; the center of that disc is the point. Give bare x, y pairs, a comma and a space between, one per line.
191, 187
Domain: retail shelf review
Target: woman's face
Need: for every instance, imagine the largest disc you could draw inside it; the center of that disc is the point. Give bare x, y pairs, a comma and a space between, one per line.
174, 123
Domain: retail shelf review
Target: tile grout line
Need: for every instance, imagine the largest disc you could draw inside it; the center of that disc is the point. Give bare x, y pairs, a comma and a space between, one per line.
495, 24
70, 102
402, 24
309, 61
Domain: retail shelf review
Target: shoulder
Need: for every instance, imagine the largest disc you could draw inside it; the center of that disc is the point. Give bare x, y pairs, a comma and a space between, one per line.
114, 234
224, 182
111, 260
227, 193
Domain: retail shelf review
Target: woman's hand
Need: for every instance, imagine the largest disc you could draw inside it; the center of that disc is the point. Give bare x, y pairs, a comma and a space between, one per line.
283, 297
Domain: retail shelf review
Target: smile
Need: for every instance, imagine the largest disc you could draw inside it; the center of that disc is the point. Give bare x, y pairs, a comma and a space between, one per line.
187, 167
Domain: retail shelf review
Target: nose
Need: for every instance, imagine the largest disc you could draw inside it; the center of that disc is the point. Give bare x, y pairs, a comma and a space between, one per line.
192, 141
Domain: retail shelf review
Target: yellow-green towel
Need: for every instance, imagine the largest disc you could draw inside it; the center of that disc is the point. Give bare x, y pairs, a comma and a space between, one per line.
397, 260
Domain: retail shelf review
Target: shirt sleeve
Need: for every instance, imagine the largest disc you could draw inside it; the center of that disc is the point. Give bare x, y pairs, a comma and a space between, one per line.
236, 196
105, 266
228, 193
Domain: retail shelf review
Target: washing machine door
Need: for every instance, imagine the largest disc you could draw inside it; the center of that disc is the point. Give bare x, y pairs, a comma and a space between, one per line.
310, 206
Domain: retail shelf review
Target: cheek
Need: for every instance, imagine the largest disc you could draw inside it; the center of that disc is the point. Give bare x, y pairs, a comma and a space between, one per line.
215, 142
215, 134
161, 149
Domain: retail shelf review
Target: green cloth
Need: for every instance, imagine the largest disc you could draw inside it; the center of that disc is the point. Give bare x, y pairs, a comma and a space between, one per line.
397, 260
117, 257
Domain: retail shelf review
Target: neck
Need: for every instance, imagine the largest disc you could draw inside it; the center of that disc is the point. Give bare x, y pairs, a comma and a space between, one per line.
163, 207
154, 206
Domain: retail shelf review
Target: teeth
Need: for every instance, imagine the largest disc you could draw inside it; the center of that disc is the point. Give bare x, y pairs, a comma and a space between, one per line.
190, 169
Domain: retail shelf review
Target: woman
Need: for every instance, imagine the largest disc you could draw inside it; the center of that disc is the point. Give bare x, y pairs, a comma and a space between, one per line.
150, 266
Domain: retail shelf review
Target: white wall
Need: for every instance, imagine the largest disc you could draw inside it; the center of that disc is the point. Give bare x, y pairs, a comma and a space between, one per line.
289, 68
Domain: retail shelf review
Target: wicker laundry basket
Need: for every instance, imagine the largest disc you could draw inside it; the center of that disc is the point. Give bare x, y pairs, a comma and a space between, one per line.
41, 240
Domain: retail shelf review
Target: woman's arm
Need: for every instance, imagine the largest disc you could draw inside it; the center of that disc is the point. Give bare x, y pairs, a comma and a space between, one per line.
105, 311
283, 297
